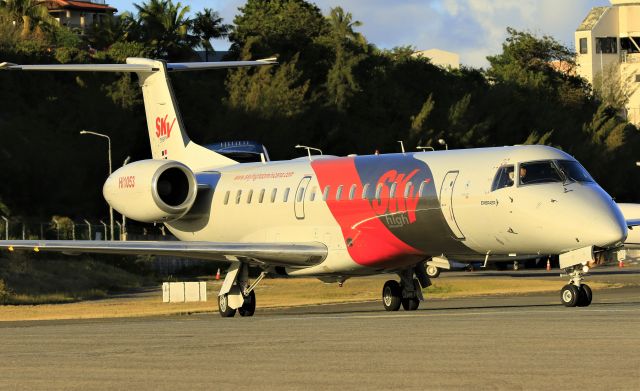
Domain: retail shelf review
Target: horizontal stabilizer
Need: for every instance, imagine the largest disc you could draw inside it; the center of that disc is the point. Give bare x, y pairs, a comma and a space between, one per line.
146, 66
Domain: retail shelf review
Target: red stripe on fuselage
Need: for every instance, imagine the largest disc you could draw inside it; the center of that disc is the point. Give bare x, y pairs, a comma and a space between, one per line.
369, 241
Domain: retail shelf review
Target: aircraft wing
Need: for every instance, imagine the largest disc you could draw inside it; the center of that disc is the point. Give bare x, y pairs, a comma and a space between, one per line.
633, 223
275, 254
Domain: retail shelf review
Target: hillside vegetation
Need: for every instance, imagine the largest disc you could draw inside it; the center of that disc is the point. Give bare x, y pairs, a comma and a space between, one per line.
333, 89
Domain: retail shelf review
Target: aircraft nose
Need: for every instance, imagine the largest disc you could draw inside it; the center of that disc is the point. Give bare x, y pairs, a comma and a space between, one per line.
603, 224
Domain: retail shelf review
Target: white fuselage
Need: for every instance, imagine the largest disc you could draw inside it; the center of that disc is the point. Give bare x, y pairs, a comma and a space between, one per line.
414, 206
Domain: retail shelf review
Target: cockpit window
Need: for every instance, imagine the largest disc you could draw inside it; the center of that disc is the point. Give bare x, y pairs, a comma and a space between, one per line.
503, 178
573, 171
539, 172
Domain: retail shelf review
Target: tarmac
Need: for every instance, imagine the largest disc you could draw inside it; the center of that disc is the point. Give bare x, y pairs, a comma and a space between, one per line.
491, 342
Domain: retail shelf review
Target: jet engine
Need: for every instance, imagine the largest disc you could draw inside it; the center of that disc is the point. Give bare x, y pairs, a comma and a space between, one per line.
152, 190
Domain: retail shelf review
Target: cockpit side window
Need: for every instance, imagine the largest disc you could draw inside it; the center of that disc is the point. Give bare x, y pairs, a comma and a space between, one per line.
503, 178
573, 171
538, 172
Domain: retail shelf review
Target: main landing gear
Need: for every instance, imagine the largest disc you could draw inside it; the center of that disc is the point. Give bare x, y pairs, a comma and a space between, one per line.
575, 293
408, 292
236, 295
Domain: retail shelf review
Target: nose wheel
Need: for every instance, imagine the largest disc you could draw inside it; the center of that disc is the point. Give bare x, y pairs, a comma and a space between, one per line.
576, 294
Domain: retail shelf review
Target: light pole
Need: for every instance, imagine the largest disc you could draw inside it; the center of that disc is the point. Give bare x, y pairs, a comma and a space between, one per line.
105, 229
309, 149
110, 171
6, 227
443, 142
88, 225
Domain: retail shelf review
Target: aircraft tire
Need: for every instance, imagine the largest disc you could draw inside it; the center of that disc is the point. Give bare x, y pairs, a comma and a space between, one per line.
223, 307
585, 296
410, 304
249, 306
432, 271
569, 295
391, 295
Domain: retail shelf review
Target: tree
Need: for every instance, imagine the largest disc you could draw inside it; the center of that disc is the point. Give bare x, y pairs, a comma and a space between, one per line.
349, 48
166, 27
527, 60
278, 27
267, 93
112, 29
207, 25
27, 13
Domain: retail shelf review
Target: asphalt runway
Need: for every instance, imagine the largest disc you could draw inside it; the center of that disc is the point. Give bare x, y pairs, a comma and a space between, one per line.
523, 342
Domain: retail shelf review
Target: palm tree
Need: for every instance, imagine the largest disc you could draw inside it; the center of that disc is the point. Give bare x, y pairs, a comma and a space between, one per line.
342, 27
208, 25
165, 26
26, 12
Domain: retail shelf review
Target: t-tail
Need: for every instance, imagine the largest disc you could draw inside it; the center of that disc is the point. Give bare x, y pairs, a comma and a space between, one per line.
167, 134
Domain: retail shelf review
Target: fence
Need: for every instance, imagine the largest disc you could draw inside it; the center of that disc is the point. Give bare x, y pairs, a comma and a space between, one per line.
74, 230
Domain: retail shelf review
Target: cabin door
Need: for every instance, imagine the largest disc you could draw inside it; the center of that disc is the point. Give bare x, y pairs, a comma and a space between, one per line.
446, 203
300, 196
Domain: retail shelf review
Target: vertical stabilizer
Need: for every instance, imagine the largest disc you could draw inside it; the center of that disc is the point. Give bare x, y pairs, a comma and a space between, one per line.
166, 130
167, 134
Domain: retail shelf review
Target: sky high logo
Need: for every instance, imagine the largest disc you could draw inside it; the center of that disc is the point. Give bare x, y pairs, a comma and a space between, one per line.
163, 128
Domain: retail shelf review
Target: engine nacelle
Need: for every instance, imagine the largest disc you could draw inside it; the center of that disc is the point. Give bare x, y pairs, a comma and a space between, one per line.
152, 190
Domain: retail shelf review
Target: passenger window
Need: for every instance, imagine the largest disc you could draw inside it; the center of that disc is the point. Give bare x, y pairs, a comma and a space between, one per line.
286, 195
226, 197
538, 172
407, 189
312, 195
339, 193
365, 191
378, 191
352, 192
249, 196
503, 178
392, 192
300, 194
261, 198
274, 192
238, 196
325, 195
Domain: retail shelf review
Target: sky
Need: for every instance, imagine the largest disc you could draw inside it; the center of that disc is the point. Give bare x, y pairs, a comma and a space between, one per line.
472, 28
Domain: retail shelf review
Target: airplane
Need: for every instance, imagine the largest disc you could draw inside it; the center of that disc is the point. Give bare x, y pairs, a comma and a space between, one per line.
336, 217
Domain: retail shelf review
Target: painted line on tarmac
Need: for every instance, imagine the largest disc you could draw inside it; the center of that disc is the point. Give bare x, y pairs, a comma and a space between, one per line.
433, 315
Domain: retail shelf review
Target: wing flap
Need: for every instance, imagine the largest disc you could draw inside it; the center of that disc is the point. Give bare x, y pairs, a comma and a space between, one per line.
276, 254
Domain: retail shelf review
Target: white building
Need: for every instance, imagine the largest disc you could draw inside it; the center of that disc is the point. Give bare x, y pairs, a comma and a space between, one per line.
440, 57
608, 43
80, 14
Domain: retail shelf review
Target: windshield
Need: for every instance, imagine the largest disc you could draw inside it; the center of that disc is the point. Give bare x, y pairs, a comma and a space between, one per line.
503, 178
574, 171
539, 172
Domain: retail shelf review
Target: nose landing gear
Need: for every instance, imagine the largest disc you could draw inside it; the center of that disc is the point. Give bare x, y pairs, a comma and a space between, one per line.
576, 294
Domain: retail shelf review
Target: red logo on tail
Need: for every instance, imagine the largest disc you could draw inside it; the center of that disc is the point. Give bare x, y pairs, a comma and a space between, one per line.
163, 128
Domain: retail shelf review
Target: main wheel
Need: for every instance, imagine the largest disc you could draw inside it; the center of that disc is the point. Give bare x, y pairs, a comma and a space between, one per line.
410, 304
585, 296
223, 307
391, 295
249, 306
569, 295
432, 271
